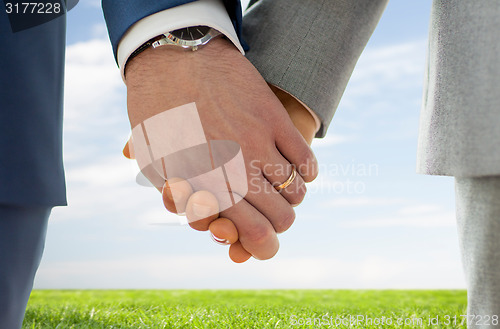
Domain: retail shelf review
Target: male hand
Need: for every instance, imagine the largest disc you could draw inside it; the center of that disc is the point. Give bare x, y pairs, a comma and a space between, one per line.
222, 229
234, 103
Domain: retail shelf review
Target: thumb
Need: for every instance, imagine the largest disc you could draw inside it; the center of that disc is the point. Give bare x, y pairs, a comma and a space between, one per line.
128, 150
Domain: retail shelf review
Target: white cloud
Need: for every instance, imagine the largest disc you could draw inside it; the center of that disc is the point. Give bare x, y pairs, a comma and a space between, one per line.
397, 66
363, 202
434, 219
111, 171
158, 216
94, 92
99, 30
420, 209
194, 272
383, 97
91, 3
331, 140
408, 214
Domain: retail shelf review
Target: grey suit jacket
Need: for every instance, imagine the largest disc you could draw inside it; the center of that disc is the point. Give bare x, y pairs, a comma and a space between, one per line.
310, 47
460, 118
459, 130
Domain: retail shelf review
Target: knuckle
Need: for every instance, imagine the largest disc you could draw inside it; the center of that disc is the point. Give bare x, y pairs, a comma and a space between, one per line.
296, 192
259, 235
307, 165
285, 222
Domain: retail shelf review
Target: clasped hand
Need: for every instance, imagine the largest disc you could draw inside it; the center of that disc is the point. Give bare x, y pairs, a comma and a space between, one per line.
234, 103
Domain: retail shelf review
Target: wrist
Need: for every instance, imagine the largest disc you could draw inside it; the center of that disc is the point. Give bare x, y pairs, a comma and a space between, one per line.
167, 77
150, 58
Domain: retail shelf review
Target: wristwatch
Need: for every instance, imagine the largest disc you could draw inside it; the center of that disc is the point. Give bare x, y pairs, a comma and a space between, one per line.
192, 37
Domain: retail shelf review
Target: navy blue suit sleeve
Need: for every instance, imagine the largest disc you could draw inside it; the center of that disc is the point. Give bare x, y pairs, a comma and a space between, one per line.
120, 15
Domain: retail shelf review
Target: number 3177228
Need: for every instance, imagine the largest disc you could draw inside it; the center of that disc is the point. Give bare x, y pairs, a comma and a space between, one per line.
33, 8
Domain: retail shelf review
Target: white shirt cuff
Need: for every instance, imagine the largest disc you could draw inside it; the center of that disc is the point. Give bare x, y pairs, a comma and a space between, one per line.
211, 13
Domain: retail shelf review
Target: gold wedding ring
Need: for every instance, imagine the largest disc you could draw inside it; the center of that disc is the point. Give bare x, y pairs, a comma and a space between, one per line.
288, 182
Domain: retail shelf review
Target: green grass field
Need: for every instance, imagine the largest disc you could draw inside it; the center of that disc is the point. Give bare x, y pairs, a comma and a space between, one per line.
246, 309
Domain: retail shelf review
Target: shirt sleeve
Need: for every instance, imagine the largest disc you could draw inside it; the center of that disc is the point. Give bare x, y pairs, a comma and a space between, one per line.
210, 13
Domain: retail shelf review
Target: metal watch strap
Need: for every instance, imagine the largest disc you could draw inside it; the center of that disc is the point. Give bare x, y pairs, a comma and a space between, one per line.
163, 39
145, 46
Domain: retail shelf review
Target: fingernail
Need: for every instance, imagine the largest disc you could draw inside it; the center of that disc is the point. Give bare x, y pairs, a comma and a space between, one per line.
202, 211
176, 196
220, 241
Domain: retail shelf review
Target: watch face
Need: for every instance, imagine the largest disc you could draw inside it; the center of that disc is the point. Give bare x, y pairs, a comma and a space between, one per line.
191, 33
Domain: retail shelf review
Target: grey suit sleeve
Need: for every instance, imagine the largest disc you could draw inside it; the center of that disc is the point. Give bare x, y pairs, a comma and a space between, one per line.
310, 47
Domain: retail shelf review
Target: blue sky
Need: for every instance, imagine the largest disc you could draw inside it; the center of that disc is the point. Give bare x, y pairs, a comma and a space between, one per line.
368, 221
